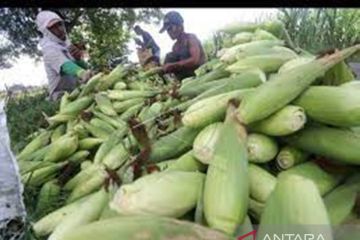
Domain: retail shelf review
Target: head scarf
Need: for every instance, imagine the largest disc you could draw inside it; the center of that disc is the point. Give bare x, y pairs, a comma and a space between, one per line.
49, 39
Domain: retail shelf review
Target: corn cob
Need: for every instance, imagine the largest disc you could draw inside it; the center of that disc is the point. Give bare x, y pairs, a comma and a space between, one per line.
152, 227
40, 141
265, 100
242, 37
47, 198
289, 157
205, 141
344, 112
91, 84
275, 50
96, 131
42, 175
274, 27
109, 80
122, 95
120, 86
59, 118
340, 202
85, 164
226, 190
89, 143
285, 209
80, 130
62, 148
261, 182
337, 144
58, 132
142, 196
75, 107
97, 122
324, 181
107, 145
173, 144
64, 101
267, 63
187, 162
104, 103
338, 74
203, 69
79, 157
48, 223
295, 62
38, 155
260, 34
74, 94
248, 79
30, 166
116, 157
87, 212
115, 122
89, 186
283, 122
261, 148
81, 177
122, 106
210, 110
130, 112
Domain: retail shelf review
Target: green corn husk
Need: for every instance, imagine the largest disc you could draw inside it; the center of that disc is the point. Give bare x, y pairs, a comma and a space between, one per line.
262, 183
337, 144
338, 74
208, 77
85, 164
290, 156
82, 176
107, 145
62, 148
205, 141
91, 84
210, 110
248, 79
48, 223
340, 202
265, 100
283, 122
89, 211
60, 118
142, 196
104, 104
42, 175
187, 162
256, 209
38, 155
120, 86
115, 122
130, 112
295, 204
97, 122
38, 142
319, 105
148, 227
74, 94
64, 101
96, 131
109, 80
122, 106
75, 107
58, 132
89, 143
173, 144
203, 69
47, 198
295, 62
260, 34
226, 192
351, 84
79, 157
275, 50
324, 181
29, 166
267, 62
274, 27
242, 37
122, 95
116, 156
261, 148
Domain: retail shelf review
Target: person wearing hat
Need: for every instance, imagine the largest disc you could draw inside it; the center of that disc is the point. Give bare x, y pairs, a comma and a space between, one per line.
62, 59
147, 43
187, 52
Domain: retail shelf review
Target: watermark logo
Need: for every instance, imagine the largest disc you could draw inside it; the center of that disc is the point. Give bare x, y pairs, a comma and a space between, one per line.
285, 236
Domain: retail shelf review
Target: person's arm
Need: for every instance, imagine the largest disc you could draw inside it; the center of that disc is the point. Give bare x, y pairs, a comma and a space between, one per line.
187, 64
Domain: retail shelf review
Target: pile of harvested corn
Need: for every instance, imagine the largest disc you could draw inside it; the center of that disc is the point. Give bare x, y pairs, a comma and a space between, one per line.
255, 138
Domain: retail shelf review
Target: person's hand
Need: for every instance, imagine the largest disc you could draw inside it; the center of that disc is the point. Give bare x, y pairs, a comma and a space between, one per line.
75, 52
167, 67
138, 41
86, 75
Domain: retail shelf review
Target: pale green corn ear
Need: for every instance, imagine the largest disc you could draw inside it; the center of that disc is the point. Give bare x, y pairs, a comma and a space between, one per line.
47, 198
115, 122
113, 77
146, 228
74, 94
91, 84
48, 223
89, 211
205, 141
262, 183
242, 37
120, 86
62, 148
96, 131
285, 87
105, 105
122, 95
323, 180
283, 122
261, 148
60, 118
107, 145
58, 132
38, 155
89, 143
187, 162
79, 157
290, 156
130, 112
81, 177
29, 166
295, 62
122, 106
116, 157
75, 107
260, 34
38, 142
143, 197
295, 205
226, 192
64, 101
85, 164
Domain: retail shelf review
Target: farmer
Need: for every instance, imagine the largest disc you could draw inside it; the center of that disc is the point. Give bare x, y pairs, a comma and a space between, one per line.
187, 52
147, 43
63, 60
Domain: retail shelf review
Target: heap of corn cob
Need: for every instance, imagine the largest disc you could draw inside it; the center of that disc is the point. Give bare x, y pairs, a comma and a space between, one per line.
251, 139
